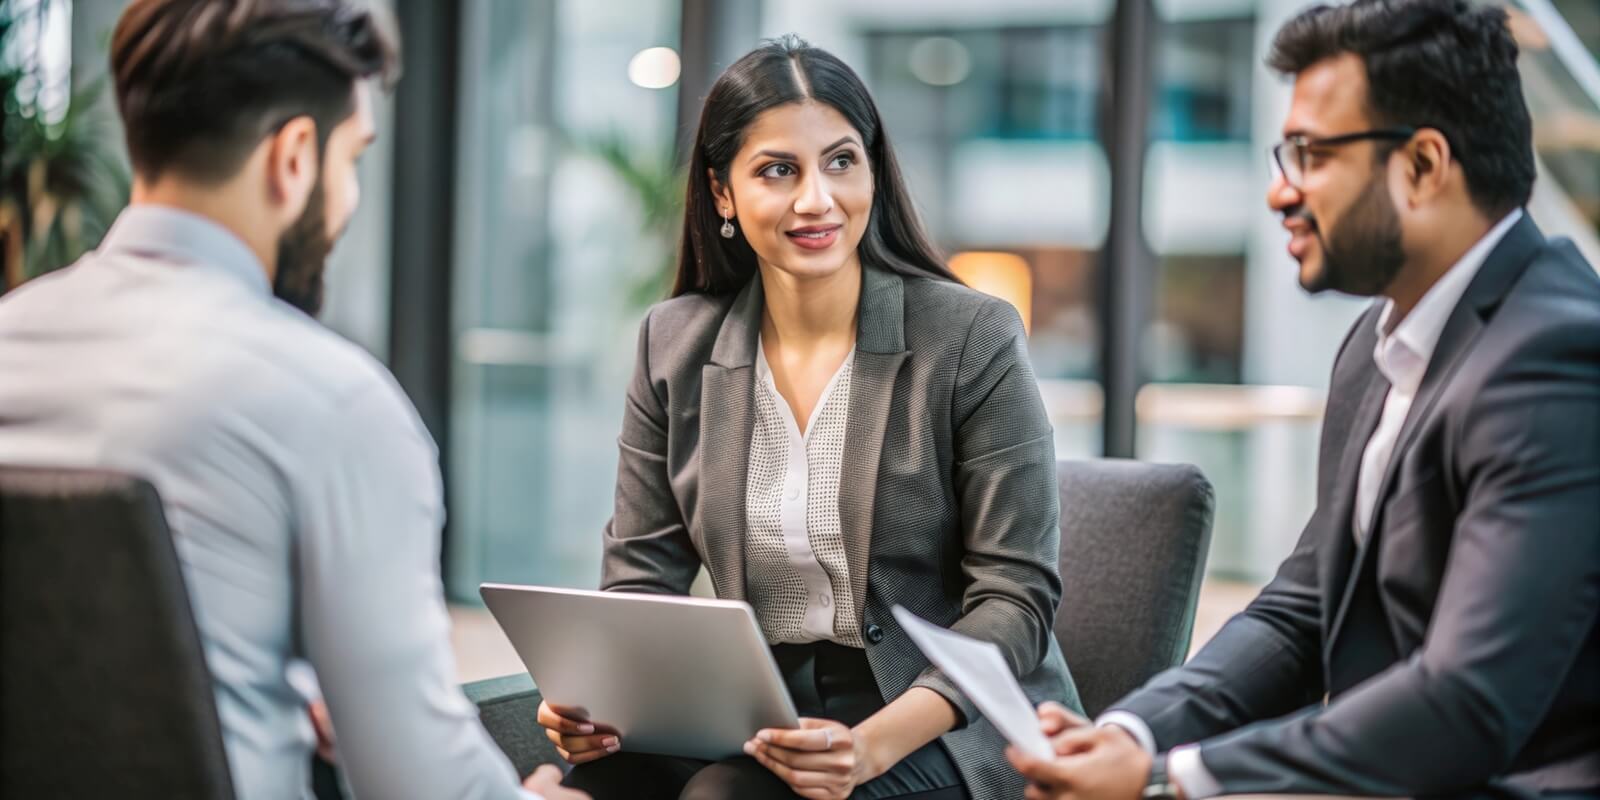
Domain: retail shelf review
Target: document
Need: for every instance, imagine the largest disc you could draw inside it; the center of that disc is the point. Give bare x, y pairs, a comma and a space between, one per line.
979, 670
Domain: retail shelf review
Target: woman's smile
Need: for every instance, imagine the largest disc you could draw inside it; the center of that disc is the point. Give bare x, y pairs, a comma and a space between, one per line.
815, 237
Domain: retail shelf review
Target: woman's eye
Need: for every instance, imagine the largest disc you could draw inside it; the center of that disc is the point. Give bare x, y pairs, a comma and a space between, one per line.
842, 161
777, 171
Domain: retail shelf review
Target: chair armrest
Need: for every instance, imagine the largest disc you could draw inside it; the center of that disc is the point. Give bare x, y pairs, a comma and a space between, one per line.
508, 707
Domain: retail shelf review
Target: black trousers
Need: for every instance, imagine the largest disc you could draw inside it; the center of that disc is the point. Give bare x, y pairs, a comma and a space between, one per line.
826, 680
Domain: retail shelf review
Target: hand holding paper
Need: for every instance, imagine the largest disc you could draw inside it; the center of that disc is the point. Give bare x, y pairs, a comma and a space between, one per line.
979, 670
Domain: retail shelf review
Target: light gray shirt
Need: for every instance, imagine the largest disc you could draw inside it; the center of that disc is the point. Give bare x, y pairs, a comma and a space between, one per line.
302, 490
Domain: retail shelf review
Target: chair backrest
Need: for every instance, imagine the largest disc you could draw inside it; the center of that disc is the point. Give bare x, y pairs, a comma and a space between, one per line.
102, 677
1134, 537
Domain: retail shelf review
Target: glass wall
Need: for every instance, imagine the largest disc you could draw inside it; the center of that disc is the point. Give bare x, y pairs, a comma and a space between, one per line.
1222, 395
556, 262
1561, 77
994, 109
996, 112
566, 189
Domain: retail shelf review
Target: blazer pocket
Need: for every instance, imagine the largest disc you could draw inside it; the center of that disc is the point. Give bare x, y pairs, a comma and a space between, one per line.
1417, 530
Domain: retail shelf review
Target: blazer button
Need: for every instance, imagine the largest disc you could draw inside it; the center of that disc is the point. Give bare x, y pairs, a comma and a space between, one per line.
873, 633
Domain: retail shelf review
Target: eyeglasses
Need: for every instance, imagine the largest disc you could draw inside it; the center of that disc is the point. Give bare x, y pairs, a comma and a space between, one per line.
1293, 155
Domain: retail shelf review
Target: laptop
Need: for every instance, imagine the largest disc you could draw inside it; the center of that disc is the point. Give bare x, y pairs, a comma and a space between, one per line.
678, 676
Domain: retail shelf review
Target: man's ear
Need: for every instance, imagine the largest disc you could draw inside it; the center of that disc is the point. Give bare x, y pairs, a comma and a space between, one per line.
1428, 159
292, 166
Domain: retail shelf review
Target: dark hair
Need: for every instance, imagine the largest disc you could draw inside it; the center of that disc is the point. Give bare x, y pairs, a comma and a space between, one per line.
1441, 64
781, 71
201, 82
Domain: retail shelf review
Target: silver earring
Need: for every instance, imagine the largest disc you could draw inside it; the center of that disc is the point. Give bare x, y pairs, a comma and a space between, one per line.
727, 225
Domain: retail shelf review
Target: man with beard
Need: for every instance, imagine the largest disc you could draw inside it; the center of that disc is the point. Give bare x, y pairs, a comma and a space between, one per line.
302, 490
1435, 630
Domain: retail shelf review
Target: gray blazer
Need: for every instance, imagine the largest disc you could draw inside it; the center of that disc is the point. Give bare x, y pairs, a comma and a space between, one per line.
947, 495
1458, 647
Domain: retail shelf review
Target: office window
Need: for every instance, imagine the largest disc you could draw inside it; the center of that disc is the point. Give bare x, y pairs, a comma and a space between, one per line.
552, 246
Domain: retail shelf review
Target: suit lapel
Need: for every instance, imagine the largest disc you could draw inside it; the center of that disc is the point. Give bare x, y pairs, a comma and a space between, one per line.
1336, 566
727, 420
880, 354
1500, 269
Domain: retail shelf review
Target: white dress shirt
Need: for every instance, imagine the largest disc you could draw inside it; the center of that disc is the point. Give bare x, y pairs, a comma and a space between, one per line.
1401, 355
302, 491
796, 573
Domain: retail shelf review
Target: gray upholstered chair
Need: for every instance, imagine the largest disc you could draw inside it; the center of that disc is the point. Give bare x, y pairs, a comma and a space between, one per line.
103, 682
508, 707
1134, 537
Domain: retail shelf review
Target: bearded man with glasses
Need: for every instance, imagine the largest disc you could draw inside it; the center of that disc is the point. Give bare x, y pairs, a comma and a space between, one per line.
1436, 631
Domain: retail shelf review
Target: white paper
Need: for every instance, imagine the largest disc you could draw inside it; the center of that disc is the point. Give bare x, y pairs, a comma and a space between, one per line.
979, 670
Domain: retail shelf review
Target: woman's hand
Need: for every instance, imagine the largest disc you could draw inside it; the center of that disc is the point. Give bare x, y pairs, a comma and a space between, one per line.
825, 760
578, 740
821, 760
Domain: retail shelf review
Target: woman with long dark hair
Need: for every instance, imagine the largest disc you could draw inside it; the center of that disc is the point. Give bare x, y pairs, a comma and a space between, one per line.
831, 424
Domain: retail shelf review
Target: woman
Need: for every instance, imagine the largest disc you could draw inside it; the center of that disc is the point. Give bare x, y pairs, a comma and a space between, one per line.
831, 424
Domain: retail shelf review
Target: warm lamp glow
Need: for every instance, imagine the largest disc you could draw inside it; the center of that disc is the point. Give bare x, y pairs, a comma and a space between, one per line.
1004, 275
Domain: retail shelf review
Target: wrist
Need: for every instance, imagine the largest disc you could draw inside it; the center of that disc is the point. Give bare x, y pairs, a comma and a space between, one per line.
871, 761
1159, 783
1132, 737
1132, 725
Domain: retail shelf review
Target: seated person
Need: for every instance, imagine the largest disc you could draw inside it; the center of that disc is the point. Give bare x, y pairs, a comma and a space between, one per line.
831, 424
302, 490
1437, 629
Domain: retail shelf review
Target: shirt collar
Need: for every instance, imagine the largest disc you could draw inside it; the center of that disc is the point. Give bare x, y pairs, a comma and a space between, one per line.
1402, 354
185, 237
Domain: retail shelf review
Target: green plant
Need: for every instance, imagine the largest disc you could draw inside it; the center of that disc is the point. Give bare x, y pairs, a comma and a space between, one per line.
656, 184
61, 183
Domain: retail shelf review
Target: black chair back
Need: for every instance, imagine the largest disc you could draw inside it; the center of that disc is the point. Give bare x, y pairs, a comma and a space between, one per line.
103, 682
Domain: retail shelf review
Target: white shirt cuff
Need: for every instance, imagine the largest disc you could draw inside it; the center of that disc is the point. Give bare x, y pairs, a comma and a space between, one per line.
1185, 767
1133, 725
302, 677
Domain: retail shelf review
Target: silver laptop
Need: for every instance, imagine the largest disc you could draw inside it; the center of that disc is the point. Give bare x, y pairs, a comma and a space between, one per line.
680, 676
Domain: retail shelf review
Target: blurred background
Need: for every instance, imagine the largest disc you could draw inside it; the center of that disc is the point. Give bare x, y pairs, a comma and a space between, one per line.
1100, 163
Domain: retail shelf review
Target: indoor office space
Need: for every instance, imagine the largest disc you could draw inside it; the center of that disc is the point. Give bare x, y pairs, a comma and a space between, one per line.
507, 193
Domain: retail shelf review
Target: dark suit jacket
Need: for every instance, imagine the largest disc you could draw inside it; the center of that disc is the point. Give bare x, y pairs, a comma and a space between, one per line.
1458, 646
947, 495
